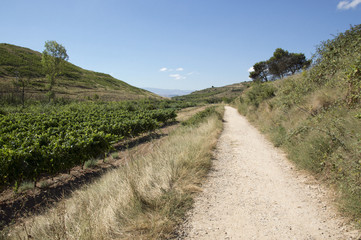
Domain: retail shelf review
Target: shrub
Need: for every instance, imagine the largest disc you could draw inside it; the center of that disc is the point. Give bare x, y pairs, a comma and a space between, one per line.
201, 116
354, 83
260, 92
92, 162
334, 58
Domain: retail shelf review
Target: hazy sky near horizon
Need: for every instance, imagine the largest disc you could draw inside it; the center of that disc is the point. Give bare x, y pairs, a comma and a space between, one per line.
175, 44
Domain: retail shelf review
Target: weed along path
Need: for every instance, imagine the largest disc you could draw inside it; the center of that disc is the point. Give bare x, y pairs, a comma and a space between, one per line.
253, 192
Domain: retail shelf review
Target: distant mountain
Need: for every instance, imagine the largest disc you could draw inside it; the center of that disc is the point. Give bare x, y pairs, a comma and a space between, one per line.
74, 83
169, 92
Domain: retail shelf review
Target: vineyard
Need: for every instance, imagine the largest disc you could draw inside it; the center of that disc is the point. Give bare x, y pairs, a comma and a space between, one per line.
39, 142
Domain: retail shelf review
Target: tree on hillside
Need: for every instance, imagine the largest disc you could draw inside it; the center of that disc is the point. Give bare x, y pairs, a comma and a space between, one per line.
296, 62
278, 63
260, 72
53, 58
281, 64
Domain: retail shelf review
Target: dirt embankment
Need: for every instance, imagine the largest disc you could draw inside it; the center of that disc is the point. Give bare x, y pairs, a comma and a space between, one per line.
253, 192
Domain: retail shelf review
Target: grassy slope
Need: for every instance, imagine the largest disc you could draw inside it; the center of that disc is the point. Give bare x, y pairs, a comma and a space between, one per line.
215, 94
316, 116
74, 83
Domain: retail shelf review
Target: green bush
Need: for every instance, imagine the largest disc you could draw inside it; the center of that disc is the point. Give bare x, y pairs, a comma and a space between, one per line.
260, 92
353, 76
201, 116
278, 135
334, 57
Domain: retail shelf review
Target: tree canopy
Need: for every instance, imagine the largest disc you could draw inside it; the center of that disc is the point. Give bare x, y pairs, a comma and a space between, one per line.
260, 72
281, 64
52, 60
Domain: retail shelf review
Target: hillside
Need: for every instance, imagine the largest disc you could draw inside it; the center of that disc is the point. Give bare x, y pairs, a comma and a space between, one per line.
315, 116
74, 83
215, 94
168, 92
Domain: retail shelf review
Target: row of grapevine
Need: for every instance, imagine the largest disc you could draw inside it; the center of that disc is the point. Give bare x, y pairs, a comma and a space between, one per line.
34, 144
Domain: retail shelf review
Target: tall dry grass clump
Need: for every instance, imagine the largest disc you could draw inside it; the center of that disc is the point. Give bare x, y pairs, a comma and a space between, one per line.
145, 199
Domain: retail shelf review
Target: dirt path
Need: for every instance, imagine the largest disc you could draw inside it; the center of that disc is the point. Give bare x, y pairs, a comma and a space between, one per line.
253, 192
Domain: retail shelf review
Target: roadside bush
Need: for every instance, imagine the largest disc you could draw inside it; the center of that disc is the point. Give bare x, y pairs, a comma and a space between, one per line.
278, 135
353, 76
292, 90
242, 106
338, 63
201, 116
260, 92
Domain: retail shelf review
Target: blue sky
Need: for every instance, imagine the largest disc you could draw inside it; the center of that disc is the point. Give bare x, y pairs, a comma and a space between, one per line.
175, 44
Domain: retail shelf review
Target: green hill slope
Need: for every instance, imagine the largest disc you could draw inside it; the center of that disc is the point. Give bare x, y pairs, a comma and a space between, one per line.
315, 116
215, 94
74, 83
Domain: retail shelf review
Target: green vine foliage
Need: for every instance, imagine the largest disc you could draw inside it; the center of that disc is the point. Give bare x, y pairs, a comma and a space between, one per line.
36, 144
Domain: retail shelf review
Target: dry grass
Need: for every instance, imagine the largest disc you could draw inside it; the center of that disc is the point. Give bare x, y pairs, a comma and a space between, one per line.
145, 199
323, 99
186, 113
